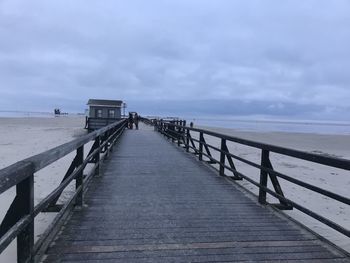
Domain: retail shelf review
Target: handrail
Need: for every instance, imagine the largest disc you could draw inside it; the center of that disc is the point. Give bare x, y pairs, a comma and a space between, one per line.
312, 157
178, 131
19, 219
37, 162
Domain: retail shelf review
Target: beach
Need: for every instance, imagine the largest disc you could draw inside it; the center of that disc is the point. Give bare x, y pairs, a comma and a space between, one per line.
24, 137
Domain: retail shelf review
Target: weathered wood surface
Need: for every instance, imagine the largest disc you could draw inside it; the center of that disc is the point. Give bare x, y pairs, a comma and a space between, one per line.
155, 203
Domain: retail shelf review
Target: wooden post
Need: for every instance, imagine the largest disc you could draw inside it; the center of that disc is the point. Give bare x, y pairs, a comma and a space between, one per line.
106, 135
222, 157
25, 240
171, 130
184, 125
263, 175
201, 140
188, 140
113, 137
98, 156
79, 178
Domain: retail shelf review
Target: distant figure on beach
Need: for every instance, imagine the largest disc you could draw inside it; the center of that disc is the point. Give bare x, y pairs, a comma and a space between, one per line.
130, 121
57, 111
136, 121
191, 124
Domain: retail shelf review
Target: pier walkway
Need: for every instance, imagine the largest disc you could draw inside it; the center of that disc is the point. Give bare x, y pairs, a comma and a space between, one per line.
155, 203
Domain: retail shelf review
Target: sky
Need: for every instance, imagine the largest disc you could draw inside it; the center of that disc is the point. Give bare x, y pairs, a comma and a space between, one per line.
222, 57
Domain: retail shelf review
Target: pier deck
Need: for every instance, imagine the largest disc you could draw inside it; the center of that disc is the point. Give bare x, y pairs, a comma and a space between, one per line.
155, 203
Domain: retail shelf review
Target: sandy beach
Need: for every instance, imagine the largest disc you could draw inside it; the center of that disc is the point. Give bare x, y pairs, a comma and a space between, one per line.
332, 179
24, 137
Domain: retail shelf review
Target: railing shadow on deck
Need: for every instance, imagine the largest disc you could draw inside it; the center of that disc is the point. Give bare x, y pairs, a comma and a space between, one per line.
193, 140
19, 219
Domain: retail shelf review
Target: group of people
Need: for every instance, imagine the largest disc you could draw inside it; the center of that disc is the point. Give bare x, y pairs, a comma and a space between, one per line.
133, 119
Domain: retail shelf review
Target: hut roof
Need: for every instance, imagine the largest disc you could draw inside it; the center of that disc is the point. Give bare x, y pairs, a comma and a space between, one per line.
105, 103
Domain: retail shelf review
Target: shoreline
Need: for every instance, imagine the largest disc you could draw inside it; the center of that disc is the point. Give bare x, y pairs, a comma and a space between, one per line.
312, 127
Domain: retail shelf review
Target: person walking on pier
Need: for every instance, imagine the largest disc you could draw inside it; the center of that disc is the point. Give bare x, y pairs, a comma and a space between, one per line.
130, 121
136, 121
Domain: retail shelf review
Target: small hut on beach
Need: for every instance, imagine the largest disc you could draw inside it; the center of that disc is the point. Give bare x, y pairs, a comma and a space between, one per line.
102, 113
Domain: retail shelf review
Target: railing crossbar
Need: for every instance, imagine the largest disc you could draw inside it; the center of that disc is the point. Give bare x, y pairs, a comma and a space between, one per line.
316, 158
290, 202
271, 171
13, 232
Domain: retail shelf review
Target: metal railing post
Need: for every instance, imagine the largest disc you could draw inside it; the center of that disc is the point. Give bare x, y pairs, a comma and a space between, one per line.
263, 176
25, 240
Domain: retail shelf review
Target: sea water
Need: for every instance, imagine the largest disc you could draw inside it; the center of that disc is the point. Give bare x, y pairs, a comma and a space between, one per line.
263, 125
244, 123
23, 114
36, 114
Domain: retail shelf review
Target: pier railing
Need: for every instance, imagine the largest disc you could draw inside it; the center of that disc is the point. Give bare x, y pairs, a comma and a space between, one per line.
194, 141
19, 219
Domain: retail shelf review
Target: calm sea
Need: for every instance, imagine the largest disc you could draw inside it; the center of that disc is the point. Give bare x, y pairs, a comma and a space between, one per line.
24, 114
302, 126
318, 127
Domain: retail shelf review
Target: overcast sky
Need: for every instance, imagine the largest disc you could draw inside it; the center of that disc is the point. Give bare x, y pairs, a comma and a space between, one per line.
280, 55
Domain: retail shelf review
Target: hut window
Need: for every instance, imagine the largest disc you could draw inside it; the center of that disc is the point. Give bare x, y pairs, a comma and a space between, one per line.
111, 114
99, 113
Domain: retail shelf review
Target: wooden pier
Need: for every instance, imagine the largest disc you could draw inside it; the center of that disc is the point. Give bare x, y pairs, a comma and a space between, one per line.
153, 202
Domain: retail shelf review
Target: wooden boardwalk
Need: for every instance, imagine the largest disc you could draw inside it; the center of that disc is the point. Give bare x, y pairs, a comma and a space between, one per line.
155, 203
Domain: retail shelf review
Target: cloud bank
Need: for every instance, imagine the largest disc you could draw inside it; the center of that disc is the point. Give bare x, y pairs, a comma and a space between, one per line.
285, 55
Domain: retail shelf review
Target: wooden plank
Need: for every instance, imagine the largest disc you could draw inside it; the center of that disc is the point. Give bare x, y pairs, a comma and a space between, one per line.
140, 257
247, 247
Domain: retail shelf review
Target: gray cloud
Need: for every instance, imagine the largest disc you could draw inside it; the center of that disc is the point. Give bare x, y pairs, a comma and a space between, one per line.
268, 51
